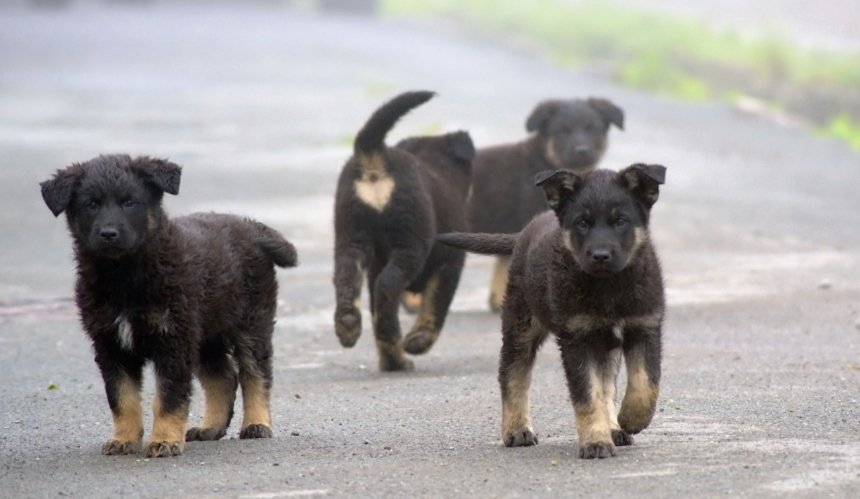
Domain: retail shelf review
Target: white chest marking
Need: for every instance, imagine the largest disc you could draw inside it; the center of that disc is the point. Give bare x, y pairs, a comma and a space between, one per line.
124, 333
375, 191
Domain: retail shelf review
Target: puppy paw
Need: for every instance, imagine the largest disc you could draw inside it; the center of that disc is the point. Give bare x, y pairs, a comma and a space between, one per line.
419, 341
599, 450
621, 438
163, 449
256, 431
201, 434
120, 448
347, 326
411, 302
521, 438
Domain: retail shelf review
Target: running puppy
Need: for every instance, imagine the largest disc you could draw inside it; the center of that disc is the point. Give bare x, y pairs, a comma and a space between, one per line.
390, 204
587, 273
194, 295
566, 134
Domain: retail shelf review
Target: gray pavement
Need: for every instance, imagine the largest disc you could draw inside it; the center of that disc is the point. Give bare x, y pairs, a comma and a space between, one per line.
757, 227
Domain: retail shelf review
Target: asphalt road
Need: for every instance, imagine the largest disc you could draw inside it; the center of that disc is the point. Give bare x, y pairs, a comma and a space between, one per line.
757, 227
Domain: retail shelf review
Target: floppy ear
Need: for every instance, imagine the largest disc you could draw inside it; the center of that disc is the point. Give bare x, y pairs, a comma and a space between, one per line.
558, 186
57, 191
461, 145
644, 182
541, 115
161, 173
609, 111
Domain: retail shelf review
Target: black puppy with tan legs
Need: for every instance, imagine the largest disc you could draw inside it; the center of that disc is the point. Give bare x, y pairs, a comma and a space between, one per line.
569, 134
390, 203
587, 273
194, 294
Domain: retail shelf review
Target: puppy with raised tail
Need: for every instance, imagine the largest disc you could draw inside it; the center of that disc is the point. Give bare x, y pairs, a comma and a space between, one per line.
587, 273
193, 295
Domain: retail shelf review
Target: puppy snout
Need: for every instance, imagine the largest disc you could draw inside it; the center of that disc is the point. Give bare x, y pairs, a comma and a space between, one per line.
601, 255
109, 234
582, 150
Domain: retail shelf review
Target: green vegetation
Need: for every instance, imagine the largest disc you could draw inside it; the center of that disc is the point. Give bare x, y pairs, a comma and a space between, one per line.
671, 56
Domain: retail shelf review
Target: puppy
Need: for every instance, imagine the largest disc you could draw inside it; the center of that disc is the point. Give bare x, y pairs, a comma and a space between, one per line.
566, 134
390, 203
586, 272
193, 295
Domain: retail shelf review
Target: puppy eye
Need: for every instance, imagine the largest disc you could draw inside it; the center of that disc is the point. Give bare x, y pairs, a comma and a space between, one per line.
92, 205
622, 221
582, 224
129, 203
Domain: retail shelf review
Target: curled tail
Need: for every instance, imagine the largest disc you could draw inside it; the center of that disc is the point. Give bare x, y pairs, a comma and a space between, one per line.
279, 250
485, 244
371, 138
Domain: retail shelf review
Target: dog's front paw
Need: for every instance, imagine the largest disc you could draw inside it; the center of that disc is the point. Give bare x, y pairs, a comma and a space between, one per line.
596, 450
201, 434
521, 438
347, 326
621, 438
419, 341
256, 431
163, 449
120, 448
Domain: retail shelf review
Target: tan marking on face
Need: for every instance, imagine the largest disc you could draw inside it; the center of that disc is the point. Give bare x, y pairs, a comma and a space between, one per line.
151, 222
640, 236
567, 239
499, 282
551, 155
640, 400
220, 395
168, 426
592, 418
255, 401
128, 418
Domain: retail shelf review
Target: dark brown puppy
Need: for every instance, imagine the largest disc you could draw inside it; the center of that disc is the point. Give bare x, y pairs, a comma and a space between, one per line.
390, 203
194, 294
566, 134
587, 273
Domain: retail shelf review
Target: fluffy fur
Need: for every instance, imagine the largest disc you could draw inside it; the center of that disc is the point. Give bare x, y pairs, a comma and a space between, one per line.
193, 295
390, 203
565, 134
587, 273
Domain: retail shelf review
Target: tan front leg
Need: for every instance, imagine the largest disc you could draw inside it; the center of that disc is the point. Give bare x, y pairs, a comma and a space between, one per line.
127, 420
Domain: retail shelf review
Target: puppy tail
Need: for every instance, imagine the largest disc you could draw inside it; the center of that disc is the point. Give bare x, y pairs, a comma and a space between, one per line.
279, 250
485, 244
371, 138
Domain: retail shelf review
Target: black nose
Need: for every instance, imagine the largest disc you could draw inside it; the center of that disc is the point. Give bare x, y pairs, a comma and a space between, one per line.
109, 234
582, 150
601, 256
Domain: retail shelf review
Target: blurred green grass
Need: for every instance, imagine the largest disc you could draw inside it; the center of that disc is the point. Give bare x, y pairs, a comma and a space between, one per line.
670, 56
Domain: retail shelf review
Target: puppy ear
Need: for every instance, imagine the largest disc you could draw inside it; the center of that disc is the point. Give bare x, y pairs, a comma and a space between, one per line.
558, 186
57, 191
161, 173
609, 111
541, 115
644, 181
461, 145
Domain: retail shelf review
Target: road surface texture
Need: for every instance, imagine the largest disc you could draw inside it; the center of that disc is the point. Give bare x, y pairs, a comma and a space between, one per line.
757, 227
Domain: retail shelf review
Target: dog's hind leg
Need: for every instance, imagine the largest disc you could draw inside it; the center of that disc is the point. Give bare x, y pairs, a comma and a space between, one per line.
499, 282
521, 339
402, 267
122, 376
437, 298
254, 356
218, 377
349, 262
642, 350
588, 366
